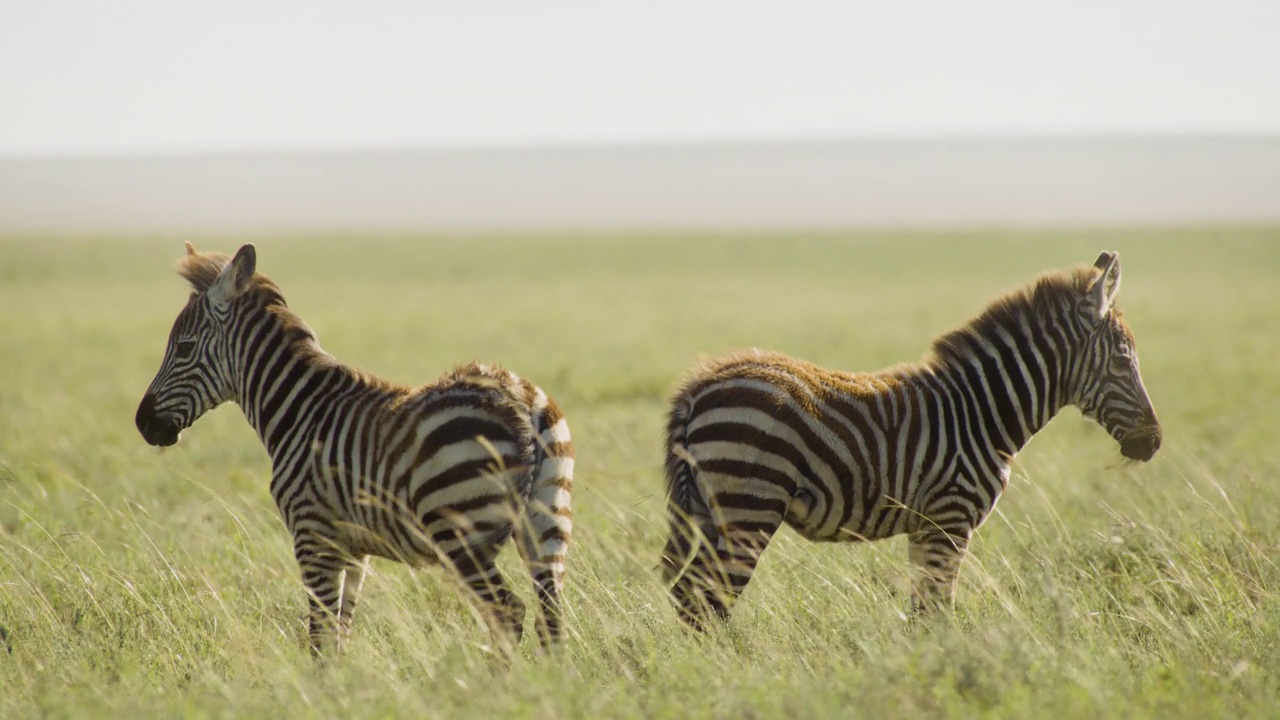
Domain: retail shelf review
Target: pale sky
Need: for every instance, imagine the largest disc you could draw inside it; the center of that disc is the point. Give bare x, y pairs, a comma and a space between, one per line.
130, 76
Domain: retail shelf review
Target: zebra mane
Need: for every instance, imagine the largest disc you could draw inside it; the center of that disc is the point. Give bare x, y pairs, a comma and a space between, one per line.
1048, 294
202, 268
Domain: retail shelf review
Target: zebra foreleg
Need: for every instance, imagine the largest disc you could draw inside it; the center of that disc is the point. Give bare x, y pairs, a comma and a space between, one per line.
353, 580
324, 574
935, 557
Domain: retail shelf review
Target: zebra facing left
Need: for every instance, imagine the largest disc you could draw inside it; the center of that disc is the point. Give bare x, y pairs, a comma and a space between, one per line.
444, 473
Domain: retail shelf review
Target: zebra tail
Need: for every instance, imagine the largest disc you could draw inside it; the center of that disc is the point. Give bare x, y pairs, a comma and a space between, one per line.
687, 512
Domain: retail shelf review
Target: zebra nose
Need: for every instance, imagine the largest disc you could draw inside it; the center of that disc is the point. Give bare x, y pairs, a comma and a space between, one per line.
155, 430
146, 413
1142, 444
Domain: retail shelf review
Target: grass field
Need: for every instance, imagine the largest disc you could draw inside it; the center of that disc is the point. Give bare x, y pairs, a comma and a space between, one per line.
139, 582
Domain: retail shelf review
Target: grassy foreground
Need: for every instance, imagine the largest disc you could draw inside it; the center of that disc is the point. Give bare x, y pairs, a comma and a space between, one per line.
138, 582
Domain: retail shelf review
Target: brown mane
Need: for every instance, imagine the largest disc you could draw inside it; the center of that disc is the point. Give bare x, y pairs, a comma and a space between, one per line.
202, 268
1048, 293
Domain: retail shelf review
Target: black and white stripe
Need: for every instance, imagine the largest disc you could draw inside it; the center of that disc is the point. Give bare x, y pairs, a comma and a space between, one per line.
443, 473
758, 439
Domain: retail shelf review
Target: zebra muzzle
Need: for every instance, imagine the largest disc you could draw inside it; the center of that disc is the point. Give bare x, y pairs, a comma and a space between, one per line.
156, 429
1141, 444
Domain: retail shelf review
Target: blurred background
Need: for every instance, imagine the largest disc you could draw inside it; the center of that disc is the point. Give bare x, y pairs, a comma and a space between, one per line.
140, 116
595, 194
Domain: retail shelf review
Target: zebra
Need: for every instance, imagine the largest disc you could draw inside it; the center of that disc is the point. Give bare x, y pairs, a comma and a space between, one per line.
443, 474
756, 439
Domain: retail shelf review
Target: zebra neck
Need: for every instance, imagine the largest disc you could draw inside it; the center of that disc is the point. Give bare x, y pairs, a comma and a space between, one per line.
1005, 385
285, 381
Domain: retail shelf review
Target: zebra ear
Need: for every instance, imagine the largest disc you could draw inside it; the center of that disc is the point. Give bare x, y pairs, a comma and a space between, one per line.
234, 278
1102, 293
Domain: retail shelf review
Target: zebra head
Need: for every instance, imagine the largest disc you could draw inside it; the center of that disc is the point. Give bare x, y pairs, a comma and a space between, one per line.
1109, 386
195, 375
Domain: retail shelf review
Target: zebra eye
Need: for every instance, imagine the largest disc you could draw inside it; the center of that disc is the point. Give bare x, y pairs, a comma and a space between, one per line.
1120, 363
184, 349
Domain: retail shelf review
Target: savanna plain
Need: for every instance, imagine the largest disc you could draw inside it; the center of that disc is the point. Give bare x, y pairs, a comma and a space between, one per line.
138, 582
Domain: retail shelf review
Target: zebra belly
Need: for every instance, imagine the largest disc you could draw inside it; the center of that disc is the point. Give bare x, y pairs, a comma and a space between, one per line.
390, 543
377, 518
849, 515
370, 519
421, 540
883, 523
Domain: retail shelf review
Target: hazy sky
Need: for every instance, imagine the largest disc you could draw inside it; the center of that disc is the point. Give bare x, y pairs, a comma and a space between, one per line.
139, 75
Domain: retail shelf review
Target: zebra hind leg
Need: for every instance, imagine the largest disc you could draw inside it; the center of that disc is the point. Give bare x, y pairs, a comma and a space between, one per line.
542, 542
698, 592
502, 608
718, 575
544, 530
688, 564
547, 572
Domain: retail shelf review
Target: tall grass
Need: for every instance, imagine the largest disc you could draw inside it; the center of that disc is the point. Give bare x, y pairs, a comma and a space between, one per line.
140, 582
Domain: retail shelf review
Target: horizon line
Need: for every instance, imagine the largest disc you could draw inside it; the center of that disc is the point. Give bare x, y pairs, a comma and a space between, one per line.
606, 144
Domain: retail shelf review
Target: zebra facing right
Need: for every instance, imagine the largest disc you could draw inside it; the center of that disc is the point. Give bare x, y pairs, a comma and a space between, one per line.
758, 439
